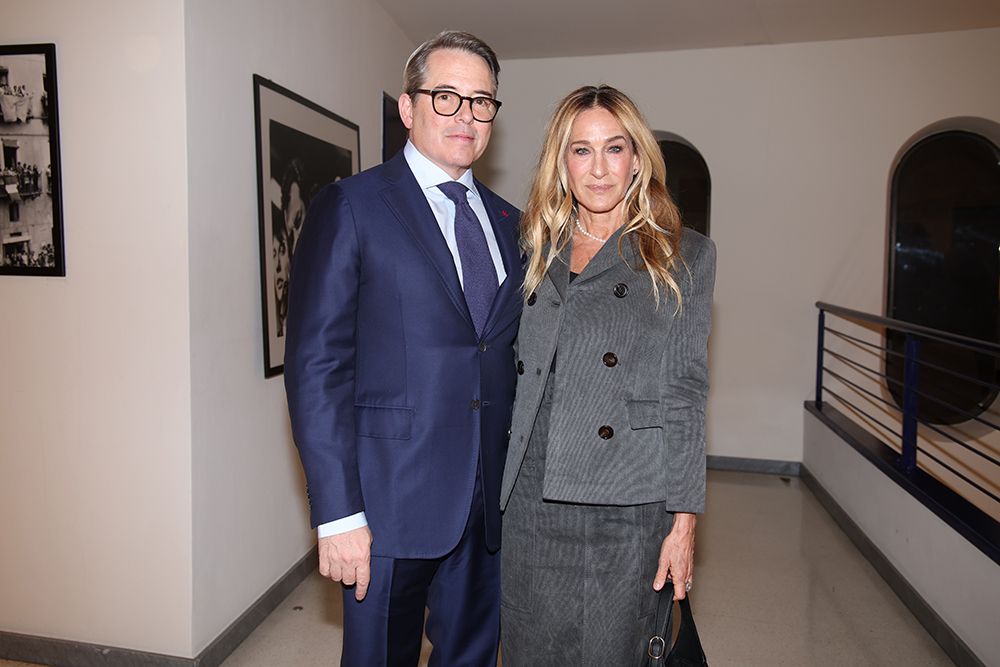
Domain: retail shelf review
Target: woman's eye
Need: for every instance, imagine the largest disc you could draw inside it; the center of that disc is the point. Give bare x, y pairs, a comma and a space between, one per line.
616, 149
580, 151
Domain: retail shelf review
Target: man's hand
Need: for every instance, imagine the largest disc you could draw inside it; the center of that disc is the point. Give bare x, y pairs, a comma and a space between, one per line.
346, 558
677, 556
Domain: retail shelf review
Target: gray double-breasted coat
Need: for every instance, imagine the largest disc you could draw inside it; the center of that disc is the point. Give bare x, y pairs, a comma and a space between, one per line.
627, 423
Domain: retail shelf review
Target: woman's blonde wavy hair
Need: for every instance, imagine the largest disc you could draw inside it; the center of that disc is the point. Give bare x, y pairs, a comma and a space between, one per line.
652, 220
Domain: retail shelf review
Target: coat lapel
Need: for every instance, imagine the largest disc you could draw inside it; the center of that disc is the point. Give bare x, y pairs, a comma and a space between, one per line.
607, 257
558, 272
408, 204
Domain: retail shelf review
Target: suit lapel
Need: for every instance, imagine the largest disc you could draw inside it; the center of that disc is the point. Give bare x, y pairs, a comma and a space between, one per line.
409, 205
501, 220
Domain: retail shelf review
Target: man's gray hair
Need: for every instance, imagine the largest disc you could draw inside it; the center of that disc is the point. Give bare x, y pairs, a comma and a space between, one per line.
415, 71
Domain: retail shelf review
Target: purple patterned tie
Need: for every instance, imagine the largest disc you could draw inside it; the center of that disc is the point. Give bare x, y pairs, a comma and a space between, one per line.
479, 274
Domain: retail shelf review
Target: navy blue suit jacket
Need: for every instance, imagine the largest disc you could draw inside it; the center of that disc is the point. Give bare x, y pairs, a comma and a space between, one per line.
394, 399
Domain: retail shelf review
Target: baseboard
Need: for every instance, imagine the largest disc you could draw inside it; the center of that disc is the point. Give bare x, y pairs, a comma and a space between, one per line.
767, 466
951, 643
240, 629
64, 653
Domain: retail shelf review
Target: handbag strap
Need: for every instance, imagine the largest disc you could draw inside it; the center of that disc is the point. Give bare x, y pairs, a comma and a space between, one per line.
687, 650
659, 642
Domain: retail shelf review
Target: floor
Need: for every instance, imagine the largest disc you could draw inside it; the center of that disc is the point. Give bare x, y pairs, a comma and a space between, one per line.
776, 583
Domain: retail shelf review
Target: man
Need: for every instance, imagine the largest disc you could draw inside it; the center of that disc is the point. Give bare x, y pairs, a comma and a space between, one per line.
404, 304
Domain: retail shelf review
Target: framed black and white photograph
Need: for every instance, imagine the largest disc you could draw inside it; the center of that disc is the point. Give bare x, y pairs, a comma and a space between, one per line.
301, 147
31, 230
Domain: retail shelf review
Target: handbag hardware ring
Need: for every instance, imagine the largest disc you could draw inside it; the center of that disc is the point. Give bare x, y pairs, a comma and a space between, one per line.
657, 647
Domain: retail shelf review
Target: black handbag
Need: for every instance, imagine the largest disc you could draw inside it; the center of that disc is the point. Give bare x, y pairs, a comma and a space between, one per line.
686, 651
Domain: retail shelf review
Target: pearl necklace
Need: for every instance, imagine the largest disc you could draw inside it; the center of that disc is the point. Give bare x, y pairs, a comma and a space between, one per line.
586, 233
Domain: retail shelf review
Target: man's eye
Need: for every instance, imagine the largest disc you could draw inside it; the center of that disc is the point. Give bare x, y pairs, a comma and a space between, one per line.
444, 97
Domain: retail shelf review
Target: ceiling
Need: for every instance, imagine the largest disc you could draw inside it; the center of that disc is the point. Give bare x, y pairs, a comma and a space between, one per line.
548, 28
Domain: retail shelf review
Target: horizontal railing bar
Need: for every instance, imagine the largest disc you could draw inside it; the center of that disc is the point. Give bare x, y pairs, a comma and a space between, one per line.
961, 376
880, 348
847, 402
960, 475
922, 362
860, 366
861, 389
962, 444
900, 325
964, 413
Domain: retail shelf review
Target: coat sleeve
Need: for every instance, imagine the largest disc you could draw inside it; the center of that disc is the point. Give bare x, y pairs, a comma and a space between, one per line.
320, 351
685, 383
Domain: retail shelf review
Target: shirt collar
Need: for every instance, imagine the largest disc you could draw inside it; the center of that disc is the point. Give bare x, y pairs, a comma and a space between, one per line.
429, 175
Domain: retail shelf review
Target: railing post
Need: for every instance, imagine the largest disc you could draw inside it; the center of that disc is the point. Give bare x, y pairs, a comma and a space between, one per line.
819, 358
911, 377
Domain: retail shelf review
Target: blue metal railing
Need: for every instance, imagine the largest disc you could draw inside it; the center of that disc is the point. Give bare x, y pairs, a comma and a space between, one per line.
907, 401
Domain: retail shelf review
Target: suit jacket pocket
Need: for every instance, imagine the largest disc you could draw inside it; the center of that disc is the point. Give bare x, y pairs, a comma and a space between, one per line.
644, 414
380, 421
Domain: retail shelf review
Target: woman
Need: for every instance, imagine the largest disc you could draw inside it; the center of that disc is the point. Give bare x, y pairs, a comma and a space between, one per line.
606, 465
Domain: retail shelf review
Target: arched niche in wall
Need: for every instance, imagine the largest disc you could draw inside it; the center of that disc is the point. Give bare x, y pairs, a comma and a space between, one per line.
688, 180
944, 263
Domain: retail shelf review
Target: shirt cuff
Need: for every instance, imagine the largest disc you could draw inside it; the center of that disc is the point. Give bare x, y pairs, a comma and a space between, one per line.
342, 525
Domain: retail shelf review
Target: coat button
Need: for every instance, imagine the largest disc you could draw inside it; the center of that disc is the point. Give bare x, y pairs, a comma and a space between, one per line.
520, 367
606, 432
610, 359
475, 404
483, 347
621, 289
532, 298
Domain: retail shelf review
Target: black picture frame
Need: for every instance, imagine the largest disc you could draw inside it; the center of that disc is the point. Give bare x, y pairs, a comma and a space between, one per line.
31, 215
301, 147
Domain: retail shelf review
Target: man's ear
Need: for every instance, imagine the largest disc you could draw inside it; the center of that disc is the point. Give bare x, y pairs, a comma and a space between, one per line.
406, 110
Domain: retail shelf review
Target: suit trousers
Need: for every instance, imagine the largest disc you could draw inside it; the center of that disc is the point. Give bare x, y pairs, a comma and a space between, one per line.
460, 592
576, 580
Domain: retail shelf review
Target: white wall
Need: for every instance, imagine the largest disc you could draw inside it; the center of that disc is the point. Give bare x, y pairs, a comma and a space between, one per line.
250, 520
800, 139
955, 578
95, 491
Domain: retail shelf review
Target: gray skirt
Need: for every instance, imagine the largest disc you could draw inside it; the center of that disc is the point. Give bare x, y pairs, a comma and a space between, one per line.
576, 580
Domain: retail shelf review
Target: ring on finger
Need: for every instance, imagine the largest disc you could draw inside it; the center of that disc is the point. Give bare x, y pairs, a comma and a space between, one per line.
687, 585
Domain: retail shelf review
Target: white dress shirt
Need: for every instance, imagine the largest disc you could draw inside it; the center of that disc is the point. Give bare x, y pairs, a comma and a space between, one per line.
429, 176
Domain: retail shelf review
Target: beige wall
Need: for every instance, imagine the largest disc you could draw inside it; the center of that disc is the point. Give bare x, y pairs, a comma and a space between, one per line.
800, 140
95, 487
919, 545
250, 520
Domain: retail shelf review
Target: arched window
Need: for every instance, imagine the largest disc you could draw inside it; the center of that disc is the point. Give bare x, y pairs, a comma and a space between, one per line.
944, 266
688, 180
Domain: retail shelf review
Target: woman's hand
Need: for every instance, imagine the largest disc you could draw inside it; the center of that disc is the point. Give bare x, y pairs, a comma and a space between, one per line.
677, 555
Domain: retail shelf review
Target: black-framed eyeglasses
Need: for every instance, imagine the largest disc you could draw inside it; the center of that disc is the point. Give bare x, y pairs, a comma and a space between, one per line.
448, 102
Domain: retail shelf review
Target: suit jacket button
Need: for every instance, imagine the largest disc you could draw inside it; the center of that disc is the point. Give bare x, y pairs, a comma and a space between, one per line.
483, 347
610, 359
621, 289
606, 432
532, 298
475, 404
520, 367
